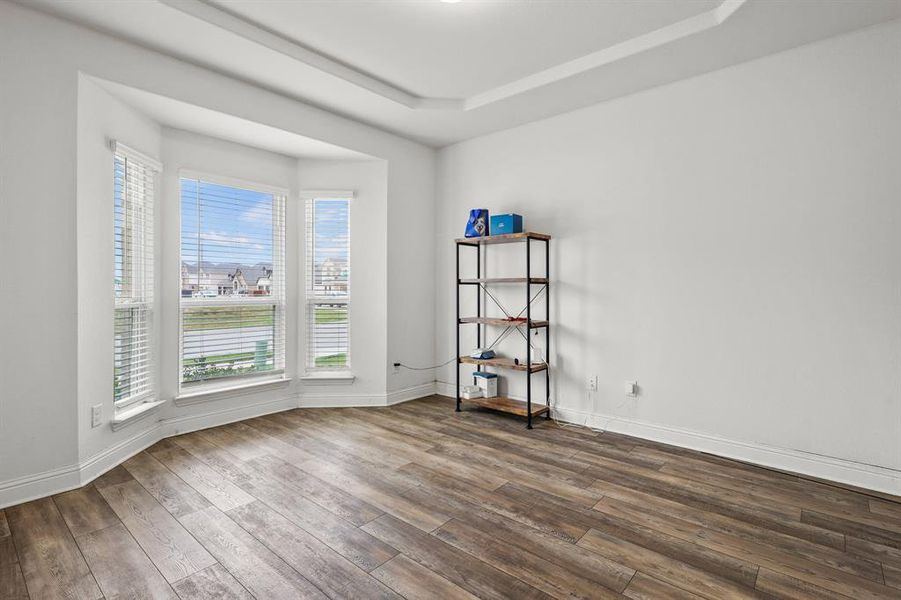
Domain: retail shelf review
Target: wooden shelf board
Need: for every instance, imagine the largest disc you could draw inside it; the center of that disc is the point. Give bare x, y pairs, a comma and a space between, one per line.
507, 405
503, 363
504, 280
506, 238
502, 322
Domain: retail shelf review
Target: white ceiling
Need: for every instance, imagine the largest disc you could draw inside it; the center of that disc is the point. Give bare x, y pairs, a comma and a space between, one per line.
189, 117
441, 73
434, 49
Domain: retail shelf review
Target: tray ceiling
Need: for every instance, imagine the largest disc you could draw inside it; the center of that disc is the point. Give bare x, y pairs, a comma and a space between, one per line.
441, 73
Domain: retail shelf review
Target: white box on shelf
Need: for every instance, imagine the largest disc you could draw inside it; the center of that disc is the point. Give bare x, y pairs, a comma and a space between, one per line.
469, 394
487, 382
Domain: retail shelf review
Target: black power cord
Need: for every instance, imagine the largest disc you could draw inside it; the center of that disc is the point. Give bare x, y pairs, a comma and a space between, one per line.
397, 364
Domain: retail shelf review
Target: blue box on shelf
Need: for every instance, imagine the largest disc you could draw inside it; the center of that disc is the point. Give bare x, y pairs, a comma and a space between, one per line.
509, 223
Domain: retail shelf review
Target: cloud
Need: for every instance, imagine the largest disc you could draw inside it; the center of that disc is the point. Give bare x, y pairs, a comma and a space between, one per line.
256, 214
220, 237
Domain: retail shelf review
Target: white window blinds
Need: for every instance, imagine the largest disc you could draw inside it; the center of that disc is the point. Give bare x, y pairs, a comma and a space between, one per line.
133, 192
232, 282
327, 284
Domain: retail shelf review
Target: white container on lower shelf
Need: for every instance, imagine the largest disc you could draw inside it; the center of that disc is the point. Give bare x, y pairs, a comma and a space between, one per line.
487, 382
471, 391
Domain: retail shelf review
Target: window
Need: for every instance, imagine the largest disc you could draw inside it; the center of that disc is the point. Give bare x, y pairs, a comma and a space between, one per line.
232, 281
133, 178
327, 284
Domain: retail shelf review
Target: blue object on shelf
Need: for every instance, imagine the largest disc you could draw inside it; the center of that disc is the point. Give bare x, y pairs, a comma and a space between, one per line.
509, 223
484, 374
482, 353
477, 226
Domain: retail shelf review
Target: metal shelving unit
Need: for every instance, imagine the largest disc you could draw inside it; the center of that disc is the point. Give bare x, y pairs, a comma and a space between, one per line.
501, 403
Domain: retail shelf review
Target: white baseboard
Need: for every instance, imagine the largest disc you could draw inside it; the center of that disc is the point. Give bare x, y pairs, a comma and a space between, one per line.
25, 489
103, 461
830, 468
410, 393
442, 388
40, 485
187, 423
839, 470
31, 487
318, 399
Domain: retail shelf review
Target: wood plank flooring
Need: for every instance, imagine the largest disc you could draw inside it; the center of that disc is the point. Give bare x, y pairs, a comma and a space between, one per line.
416, 501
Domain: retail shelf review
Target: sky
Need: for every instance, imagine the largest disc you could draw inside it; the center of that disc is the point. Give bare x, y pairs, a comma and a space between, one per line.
330, 222
234, 225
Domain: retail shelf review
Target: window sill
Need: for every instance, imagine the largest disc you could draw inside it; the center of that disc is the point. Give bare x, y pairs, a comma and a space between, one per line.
329, 378
204, 394
134, 413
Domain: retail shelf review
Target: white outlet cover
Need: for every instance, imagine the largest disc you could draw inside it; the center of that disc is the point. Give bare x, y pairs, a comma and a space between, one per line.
631, 388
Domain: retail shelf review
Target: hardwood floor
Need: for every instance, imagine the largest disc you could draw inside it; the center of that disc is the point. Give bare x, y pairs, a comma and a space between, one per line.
416, 501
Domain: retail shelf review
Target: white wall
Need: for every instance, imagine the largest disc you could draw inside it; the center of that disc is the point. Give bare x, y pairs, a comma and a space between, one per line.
101, 117
411, 263
41, 58
730, 241
37, 237
368, 276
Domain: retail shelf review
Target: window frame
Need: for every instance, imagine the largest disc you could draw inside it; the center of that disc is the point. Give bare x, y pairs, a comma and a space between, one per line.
135, 300
278, 299
310, 370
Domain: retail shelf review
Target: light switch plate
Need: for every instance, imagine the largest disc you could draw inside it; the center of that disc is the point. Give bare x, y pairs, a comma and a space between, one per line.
96, 415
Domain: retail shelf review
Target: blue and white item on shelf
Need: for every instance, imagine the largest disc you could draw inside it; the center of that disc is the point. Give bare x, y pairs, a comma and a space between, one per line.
509, 223
477, 226
482, 353
487, 382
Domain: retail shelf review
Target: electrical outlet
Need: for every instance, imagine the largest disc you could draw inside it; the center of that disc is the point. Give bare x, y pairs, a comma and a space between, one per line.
96, 415
396, 368
631, 389
592, 383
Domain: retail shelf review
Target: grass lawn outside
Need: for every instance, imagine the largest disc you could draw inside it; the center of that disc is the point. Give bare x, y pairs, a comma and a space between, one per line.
332, 360
207, 318
218, 359
326, 315
212, 318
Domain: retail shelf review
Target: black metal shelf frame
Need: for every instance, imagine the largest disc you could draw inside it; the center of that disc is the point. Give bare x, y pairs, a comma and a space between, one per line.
527, 238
